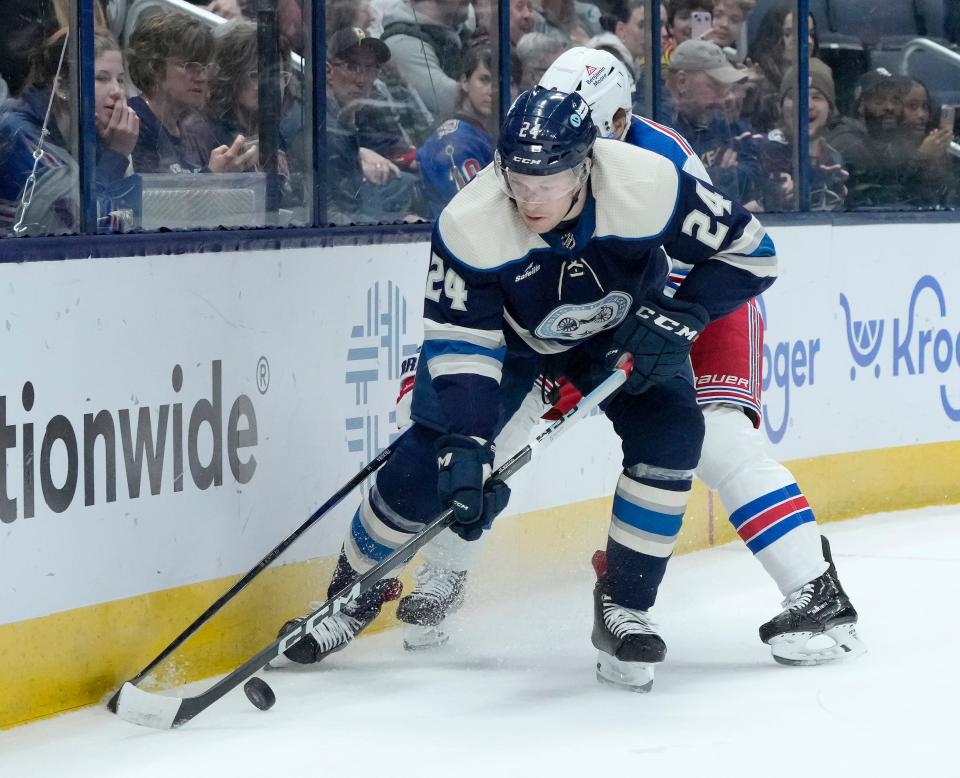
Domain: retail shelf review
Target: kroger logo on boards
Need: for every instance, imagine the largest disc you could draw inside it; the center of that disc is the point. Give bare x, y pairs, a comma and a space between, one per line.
917, 345
788, 365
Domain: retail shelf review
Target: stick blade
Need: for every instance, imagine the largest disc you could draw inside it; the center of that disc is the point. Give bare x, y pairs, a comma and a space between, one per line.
146, 709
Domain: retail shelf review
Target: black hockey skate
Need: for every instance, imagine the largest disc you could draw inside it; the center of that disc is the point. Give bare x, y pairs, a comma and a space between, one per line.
439, 592
817, 612
626, 639
336, 631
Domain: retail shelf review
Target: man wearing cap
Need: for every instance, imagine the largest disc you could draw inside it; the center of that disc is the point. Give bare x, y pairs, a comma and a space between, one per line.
699, 77
362, 185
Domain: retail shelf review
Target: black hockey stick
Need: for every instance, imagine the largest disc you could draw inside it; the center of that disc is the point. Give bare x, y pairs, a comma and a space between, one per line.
234, 590
155, 710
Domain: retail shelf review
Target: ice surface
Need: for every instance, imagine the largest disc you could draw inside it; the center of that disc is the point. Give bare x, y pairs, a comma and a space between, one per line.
514, 693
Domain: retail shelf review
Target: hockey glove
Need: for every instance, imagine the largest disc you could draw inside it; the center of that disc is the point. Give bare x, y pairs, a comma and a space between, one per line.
408, 376
659, 336
465, 466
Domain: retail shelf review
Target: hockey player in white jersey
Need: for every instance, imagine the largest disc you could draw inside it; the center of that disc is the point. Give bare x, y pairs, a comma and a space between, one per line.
573, 283
761, 497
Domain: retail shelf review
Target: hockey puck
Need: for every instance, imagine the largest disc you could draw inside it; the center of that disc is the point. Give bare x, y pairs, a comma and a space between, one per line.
259, 693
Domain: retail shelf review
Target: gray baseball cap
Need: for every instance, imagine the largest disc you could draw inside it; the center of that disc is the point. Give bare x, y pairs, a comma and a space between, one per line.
708, 57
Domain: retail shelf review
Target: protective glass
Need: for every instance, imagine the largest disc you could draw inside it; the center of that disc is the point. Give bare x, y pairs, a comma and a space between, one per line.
542, 189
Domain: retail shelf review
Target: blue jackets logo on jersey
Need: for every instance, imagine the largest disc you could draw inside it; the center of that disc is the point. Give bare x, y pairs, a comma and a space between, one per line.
575, 322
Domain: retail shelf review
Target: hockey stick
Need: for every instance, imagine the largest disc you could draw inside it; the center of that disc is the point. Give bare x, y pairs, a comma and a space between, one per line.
154, 710
234, 590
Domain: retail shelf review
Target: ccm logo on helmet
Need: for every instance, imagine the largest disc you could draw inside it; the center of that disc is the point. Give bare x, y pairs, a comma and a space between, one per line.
666, 323
525, 161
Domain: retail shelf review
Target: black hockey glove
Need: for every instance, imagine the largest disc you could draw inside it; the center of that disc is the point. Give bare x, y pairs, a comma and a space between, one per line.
659, 336
465, 465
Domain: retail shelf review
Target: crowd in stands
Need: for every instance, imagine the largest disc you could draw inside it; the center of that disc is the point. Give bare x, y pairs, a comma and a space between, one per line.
412, 105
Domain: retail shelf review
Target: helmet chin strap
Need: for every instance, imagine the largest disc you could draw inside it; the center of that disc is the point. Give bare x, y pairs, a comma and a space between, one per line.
573, 203
575, 198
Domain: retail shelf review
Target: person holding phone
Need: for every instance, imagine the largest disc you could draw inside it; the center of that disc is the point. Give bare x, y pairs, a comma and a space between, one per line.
680, 21
932, 136
930, 131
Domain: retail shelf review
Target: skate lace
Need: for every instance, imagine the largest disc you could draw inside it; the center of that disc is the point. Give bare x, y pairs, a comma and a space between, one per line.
335, 631
625, 621
436, 582
799, 599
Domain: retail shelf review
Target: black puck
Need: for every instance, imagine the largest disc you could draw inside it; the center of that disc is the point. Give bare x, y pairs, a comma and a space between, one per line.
259, 693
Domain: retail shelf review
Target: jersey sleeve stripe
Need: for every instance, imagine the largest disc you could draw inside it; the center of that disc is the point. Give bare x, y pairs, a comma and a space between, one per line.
436, 330
460, 364
673, 134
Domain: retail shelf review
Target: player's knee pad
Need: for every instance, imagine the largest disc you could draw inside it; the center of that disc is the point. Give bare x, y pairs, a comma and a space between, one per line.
734, 449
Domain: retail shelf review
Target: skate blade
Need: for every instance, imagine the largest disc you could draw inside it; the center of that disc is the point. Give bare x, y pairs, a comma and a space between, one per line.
418, 638
632, 676
793, 648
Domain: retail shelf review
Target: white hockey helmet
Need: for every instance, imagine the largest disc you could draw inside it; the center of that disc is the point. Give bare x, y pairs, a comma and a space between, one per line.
600, 78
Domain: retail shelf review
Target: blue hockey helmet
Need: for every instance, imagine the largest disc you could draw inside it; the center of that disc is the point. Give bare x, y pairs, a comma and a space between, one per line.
545, 132
544, 146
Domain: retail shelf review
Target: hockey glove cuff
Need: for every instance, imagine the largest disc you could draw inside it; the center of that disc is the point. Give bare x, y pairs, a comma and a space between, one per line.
464, 465
659, 336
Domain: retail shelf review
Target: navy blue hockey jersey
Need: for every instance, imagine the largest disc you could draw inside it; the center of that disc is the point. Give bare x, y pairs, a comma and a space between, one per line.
555, 291
450, 158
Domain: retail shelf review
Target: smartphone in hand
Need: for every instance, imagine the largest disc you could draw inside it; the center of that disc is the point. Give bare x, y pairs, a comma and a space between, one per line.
948, 116
701, 22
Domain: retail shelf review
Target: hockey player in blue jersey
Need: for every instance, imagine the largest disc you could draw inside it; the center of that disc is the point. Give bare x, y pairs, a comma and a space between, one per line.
460, 147
573, 283
764, 502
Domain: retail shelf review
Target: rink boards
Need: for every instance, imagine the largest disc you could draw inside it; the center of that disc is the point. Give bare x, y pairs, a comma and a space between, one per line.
165, 421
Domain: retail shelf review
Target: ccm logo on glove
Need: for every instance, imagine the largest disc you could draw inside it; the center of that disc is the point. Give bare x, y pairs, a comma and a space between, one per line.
668, 324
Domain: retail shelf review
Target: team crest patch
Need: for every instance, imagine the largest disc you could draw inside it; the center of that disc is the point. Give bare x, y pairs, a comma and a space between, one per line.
576, 322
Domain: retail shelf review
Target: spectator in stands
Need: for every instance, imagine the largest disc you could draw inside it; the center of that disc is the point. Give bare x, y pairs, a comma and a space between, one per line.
921, 123
771, 54
290, 24
698, 79
362, 185
169, 56
229, 9
610, 43
232, 110
827, 174
427, 49
349, 13
461, 146
521, 19
51, 204
885, 169
679, 22
569, 21
535, 52
624, 19
930, 132
729, 17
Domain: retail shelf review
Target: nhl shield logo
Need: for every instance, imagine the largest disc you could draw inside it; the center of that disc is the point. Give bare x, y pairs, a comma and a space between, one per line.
568, 241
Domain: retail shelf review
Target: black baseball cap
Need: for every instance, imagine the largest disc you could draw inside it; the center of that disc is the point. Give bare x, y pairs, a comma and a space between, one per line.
344, 41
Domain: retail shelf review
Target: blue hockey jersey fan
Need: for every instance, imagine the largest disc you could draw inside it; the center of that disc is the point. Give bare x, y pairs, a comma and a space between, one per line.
450, 158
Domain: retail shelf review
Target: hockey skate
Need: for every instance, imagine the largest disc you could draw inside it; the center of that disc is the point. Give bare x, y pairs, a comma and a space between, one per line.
817, 624
628, 645
437, 594
337, 630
